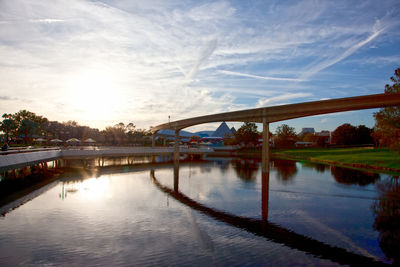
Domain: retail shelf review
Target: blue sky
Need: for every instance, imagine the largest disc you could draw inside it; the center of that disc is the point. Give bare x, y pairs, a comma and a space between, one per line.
103, 62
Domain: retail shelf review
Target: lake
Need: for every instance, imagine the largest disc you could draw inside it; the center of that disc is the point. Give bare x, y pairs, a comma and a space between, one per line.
221, 211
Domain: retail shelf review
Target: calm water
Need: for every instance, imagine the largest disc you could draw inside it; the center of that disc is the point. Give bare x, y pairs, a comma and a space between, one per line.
205, 213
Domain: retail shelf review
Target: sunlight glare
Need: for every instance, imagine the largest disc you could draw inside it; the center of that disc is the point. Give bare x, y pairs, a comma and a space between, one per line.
94, 188
93, 94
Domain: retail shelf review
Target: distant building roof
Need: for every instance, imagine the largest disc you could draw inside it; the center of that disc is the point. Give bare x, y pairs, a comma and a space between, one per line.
204, 133
172, 133
222, 131
307, 130
323, 133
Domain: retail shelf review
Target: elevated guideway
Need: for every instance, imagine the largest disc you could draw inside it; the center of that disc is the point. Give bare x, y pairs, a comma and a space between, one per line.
291, 111
268, 115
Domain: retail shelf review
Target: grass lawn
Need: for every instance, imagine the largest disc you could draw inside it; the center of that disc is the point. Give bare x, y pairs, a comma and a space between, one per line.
365, 157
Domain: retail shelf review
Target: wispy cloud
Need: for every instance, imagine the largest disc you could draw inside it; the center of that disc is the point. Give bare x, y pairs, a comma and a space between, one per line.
206, 53
281, 98
260, 77
376, 31
46, 20
7, 98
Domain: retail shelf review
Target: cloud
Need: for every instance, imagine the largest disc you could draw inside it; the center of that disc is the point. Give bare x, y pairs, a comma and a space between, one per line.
46, 20
259, 77
377, 29
204, 55
7, 98
325, 64
280, 98
130, 61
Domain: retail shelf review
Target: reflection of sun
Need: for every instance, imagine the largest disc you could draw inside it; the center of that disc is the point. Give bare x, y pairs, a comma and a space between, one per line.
93, 94
94, 188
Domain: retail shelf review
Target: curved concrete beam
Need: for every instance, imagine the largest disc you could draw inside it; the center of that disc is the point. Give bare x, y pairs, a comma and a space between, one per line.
291, 111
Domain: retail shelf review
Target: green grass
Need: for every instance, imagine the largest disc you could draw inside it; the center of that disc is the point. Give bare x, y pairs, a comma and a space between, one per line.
366, 157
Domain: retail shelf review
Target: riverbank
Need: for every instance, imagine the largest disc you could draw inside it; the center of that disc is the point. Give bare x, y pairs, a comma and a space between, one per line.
366, 158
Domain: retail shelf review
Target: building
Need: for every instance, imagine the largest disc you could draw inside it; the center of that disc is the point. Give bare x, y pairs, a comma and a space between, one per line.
307, 130
223, 131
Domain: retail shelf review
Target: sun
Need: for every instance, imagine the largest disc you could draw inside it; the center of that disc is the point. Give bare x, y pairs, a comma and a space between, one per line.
94, 94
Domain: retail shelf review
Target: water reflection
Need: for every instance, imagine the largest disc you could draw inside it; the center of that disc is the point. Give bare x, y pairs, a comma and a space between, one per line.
89, 188
353, 177
387, 218
286, 170
321, 168
262, 227
246, 169
225, 192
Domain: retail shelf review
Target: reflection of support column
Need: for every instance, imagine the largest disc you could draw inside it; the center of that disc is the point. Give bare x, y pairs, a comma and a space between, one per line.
265, 146
176, 175
265, 171
176, 161
176, 146
153, 143
264, 195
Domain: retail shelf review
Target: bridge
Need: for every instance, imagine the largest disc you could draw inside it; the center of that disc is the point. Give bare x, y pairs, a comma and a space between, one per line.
268, 115
18, 159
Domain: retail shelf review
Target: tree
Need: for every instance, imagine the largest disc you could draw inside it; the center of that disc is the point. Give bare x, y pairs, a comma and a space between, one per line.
387, 120
8, 126
345, 134
363, 135
247, 134
285, 136
27, 128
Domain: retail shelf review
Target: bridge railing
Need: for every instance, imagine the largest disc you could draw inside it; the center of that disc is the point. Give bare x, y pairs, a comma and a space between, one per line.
27, 150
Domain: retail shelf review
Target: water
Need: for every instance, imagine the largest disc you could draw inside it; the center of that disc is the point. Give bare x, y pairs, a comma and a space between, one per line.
205, 213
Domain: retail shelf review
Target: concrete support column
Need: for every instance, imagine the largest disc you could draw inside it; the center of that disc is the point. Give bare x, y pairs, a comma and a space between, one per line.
153, 140
265, 171
176, 146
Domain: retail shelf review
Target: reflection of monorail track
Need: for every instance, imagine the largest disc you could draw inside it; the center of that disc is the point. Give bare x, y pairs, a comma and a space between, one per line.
272, 231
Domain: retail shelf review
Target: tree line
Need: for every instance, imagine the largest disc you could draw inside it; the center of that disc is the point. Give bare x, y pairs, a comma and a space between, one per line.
286, 137
23, 126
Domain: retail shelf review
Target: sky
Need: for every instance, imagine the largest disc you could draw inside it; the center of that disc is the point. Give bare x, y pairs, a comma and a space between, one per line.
104, 62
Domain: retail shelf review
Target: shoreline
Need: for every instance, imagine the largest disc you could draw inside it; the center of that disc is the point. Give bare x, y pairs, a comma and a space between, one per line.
343, 157
357, 166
